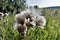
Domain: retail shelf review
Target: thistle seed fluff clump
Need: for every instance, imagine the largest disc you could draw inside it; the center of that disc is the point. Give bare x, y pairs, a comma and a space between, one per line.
27, 19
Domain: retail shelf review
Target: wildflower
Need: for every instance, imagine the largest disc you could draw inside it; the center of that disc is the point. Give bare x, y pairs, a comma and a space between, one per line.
28, 19
27, 13
41, 21
19, 18
21, 28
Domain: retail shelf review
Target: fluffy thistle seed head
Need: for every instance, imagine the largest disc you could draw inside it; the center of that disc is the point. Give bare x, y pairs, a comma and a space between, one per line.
30, 18
41, 21
20, 28
20, 18
27, 13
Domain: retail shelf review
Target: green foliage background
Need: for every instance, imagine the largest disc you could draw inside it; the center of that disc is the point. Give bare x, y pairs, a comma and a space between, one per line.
50, 32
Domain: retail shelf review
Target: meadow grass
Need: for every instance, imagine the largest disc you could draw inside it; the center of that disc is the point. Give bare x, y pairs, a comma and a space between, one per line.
50, 32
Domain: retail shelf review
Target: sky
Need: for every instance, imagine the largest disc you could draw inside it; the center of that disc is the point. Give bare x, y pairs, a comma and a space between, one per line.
43, 3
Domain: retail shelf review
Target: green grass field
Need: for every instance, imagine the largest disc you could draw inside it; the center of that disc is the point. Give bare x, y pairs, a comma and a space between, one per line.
50, 32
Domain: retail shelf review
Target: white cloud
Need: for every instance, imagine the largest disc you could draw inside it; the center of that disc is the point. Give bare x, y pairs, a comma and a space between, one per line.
43, 3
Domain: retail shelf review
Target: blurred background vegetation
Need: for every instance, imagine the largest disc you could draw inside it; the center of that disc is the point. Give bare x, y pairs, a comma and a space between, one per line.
50, 32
